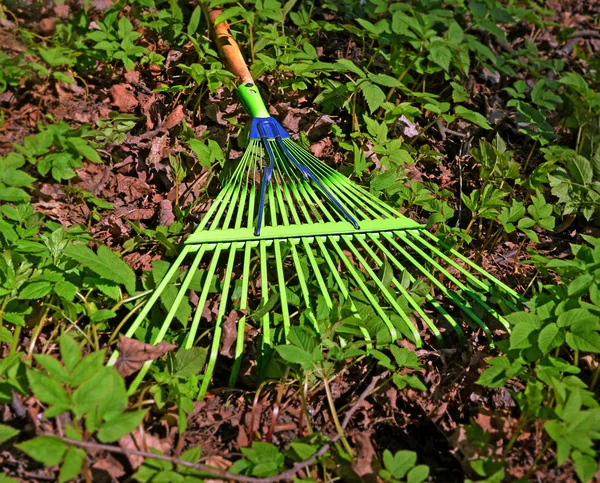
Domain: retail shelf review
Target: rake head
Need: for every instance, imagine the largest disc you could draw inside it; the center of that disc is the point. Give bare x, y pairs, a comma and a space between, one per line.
289, 239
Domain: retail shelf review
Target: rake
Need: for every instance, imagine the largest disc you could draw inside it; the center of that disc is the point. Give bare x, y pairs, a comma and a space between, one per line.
284, 215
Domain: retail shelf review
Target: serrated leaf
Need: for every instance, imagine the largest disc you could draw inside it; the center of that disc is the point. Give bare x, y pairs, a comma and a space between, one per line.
13, 195
374, 96
47, 389
70, 351
440, 54
35, 290
48, 450
72, 464
7, 432
116, 428
472, 116
585, 340
550, 337
106, 263
188, 362
346, 65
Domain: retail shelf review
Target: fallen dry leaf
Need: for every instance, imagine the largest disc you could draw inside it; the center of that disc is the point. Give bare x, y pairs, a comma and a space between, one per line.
174, 119
365, 454
123, 98
144, 442
230, 332
133, 354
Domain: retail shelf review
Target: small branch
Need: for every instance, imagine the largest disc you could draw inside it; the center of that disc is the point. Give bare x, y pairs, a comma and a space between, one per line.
287, 475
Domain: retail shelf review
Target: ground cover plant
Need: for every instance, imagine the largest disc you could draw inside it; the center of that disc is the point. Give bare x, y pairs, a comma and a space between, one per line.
478, 118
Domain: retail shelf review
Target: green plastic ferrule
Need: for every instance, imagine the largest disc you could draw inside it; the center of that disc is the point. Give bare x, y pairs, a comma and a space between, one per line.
250, 98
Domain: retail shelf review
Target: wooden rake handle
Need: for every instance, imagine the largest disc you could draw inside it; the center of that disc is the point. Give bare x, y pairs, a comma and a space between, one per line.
228, 47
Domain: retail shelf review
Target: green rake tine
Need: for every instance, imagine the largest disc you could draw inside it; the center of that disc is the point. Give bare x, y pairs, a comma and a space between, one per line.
214, 350
429, 297
154, 298
301, 279
279, 266
451, 277
366, 292
239, 346
306, 189
218, 329
309, 194
399, 286
385, 290
477, 268
305, 242
264, 288
447, 292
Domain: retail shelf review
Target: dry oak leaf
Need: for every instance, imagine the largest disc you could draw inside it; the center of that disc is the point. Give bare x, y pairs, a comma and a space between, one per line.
174, 119
123, 98
133, 354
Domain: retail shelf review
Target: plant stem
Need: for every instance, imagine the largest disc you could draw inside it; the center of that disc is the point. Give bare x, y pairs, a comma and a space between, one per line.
520, 424
537, 459
334, 416
595, 378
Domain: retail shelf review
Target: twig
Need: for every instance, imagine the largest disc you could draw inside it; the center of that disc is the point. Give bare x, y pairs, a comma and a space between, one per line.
286, 475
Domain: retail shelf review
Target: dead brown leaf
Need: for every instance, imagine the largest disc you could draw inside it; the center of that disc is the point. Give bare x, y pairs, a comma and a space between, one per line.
144, 442
174, 119
165, 213
132, 188
230, 332
122, 98
133, 354
365, 454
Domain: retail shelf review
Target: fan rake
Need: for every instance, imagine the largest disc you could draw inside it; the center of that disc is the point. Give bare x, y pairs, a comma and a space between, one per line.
289, 238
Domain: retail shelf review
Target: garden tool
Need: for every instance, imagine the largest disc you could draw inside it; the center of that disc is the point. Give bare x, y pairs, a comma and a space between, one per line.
289, 240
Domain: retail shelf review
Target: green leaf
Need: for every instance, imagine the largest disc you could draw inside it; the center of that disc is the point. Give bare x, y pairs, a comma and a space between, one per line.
48, 450
440, 54
70, 351
374, 96
47, 389
72, 464
400, 463
586, 466
13, 195
16, 177
385, 80
87, 367
295, 355
116, 428
35, 290
418, 474
84, 149
550, 337
53, 366
7, 432
346, 65
581, 169
194, 21
472, 116
187, 362
585, 340
580, 285
93, 392
106, 263
520, 335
